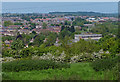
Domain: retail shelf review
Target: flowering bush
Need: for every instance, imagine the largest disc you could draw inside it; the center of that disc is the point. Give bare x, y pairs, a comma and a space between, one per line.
62, 57
49, 56
7, 59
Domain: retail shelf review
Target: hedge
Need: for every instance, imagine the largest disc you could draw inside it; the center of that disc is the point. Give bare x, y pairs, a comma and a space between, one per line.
29, 65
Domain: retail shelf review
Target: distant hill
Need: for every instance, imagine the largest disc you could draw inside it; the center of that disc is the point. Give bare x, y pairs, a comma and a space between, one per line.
85, 13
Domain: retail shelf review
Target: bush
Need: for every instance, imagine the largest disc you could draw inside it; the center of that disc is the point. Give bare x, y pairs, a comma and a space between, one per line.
6, 53
29, 65
104, 64
32, 51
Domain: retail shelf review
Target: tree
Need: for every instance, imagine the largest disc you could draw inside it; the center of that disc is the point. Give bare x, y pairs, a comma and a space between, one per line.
51, 39
38, 40
112, 45
72, 29
67, 23
34, 32
33, 25
78, 22
64, 33
18, 24
17, 44
62, 28
7, 23
44, 25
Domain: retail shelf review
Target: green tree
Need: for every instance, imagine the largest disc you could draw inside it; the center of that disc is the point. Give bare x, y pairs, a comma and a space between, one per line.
33, 25
18, 24
34, 32
51, 39
64, 33
72, 29
17, 44
7, 23
38, 40
44, 25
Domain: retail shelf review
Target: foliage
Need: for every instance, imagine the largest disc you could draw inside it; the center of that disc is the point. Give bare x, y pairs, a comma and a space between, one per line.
71, 28
67, 23
77, 71
38, 40
111, 44
105, 29
64, 33
17, 44
34, 32
6, 53
83, 47
7, 23
8, 38
32, 51
54, 49
44, 25
51, 39
29, 65
80, 22
104, 64
18, 23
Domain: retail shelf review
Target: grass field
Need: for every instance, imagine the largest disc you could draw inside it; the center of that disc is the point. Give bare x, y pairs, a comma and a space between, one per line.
77, 71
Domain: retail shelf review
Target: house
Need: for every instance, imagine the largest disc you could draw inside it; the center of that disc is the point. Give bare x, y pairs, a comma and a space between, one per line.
9, 33
88, 25
31, 41
37, 30
56, 43
25, 31
7, 42
14, 26
87, 36
39, 27
77, 27
101, 21
26, 46
11, 41
45, 40
11, 30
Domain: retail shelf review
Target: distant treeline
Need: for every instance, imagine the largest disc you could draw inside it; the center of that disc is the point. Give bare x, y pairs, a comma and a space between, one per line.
61, 13
85, 13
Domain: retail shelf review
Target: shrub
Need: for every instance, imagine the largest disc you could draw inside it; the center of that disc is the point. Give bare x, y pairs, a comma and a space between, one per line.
104, 64
28, 65
32, 51
6, 53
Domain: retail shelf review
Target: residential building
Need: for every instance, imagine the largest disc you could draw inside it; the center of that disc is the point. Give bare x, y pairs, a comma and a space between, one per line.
87, 36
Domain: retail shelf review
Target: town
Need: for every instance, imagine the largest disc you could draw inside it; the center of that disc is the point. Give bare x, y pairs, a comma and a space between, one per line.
59, 46
12, 25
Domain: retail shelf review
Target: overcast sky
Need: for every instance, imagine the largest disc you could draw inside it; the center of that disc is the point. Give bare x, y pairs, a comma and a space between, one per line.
59, 0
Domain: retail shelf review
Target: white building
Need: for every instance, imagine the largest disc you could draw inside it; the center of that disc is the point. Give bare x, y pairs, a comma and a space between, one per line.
87, 36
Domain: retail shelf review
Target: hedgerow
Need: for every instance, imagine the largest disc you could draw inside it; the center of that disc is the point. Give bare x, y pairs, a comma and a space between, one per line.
104, 64
29, 65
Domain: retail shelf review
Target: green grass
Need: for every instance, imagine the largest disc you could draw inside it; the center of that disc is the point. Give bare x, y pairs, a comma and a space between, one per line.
77, 71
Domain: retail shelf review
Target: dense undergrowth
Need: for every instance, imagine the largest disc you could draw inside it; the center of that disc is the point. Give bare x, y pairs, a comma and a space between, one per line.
29, 65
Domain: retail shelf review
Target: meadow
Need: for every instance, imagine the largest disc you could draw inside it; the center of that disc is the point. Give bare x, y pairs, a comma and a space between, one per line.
77, 71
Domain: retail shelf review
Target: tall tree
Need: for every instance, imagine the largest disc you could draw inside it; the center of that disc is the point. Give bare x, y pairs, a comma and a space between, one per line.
44, 25
72, 29
17, 44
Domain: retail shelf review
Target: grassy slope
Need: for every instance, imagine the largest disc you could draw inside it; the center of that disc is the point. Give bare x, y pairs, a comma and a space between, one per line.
78, 71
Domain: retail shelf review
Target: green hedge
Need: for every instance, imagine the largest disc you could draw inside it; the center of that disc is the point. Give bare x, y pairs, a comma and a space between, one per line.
104, 64
29, 65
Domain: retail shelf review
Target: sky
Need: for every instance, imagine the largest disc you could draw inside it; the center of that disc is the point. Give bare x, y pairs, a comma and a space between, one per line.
60, 0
